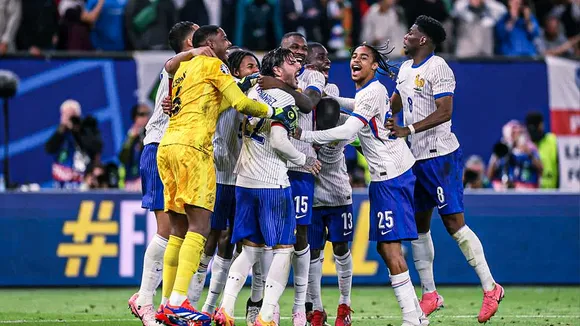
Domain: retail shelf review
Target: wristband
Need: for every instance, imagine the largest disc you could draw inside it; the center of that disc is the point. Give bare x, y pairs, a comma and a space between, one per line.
411, 129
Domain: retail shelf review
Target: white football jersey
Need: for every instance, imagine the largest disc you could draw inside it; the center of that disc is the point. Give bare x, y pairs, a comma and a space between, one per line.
258, 160
307, 79
331, 90
419, 86
332, 186
159, 121
387, 158
227, 144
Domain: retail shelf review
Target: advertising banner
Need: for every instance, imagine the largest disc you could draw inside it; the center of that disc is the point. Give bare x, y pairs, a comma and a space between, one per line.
69, 239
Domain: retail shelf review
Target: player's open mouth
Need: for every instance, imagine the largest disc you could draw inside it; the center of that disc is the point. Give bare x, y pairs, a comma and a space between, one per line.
355, 68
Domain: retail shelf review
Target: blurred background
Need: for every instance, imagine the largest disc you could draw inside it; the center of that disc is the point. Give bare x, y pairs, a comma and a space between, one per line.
88, 72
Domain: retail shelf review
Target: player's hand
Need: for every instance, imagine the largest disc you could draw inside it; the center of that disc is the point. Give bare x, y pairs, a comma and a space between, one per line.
166, 105
312, 165
288, 116
268, 82
396, 130
248, 82
204, 50
297, 133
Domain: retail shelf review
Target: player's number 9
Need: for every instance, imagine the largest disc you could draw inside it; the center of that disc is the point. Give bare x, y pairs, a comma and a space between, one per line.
385, 220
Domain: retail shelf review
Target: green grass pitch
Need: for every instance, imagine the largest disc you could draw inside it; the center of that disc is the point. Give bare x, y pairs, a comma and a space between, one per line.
525, 306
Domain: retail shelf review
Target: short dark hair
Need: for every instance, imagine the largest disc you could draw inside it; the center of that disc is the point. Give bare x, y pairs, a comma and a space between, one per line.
235, 59
178, 33
432, 28
312, 45
534, 118
274, 58
290, 34
203, 33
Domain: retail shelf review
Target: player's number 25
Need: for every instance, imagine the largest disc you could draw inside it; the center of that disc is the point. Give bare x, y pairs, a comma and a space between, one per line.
385, 219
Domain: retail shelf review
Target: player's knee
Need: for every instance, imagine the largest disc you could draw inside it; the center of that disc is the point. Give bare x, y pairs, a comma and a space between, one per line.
225, 247
453, 222
392, 254
212, 241
301, 237
340, 248
314, 253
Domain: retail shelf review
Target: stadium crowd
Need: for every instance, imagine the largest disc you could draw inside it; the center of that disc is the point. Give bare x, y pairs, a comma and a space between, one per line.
476, 27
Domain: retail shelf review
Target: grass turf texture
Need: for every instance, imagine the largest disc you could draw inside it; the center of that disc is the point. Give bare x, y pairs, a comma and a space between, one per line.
529, 306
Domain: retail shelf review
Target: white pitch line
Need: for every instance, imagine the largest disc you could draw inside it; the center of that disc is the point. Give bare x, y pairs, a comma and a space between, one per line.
22, 321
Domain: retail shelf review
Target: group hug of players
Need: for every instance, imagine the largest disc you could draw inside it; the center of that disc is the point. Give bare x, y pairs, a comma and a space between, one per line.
252, 166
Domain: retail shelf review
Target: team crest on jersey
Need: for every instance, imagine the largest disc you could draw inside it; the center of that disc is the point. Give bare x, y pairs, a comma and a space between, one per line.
224, 69
419, 83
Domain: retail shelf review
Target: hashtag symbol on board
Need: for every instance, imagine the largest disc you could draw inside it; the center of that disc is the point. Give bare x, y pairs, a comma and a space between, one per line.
89, 239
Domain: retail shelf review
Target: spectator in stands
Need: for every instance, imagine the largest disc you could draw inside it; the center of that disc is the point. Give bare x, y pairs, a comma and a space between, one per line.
98, 176
258, 24
515, 162
10, 12
302, 16
474, 26
130, 155
147, 24
74, 145
568, 12
516, 30
474, 174
335, 13
547, 147
553, 41
385, 21
38, 27
75, 24
108, 33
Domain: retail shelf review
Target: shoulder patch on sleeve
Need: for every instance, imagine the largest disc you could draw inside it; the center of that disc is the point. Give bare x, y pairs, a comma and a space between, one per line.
224, 69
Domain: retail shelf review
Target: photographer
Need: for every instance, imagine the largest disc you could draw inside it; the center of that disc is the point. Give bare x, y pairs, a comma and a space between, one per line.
515, 162
474, 174
516, 31
75, 144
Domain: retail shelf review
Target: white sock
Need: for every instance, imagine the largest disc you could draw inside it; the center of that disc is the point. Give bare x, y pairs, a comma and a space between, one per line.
198, 280
237, 276
266, 261
314, 280
219, 275
301, 265
236, 253
276, 282
406, 296
343, 266
258, 279
473, 251
423, 255
152, 270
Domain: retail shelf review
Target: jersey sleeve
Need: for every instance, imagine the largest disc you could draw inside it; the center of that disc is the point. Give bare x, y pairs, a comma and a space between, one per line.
367, 106
442, 81
314, 80
331, 90
218, 74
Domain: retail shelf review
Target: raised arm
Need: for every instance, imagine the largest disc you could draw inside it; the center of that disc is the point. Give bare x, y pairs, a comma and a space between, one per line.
346, 131
172, 64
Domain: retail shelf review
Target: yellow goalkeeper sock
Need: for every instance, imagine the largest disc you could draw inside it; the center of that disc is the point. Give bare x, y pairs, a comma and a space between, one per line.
189, 258
170, 260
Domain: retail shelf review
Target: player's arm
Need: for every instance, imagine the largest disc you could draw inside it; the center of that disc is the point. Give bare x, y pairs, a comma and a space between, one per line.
443, 85
302, 101
284, 148
239, 101
172, 64
343, 132
396, 102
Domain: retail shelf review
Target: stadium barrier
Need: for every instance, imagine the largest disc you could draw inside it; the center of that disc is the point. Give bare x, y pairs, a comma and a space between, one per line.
487, 96
99, 238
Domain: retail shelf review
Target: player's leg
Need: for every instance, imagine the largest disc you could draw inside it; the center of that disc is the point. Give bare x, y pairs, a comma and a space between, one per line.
278, 229
303, 191
141, 303
198, 279
246, 229
423, 249
449, 196
392, 220
196, 195
254, 302
223, 259
317, 240
340, 233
